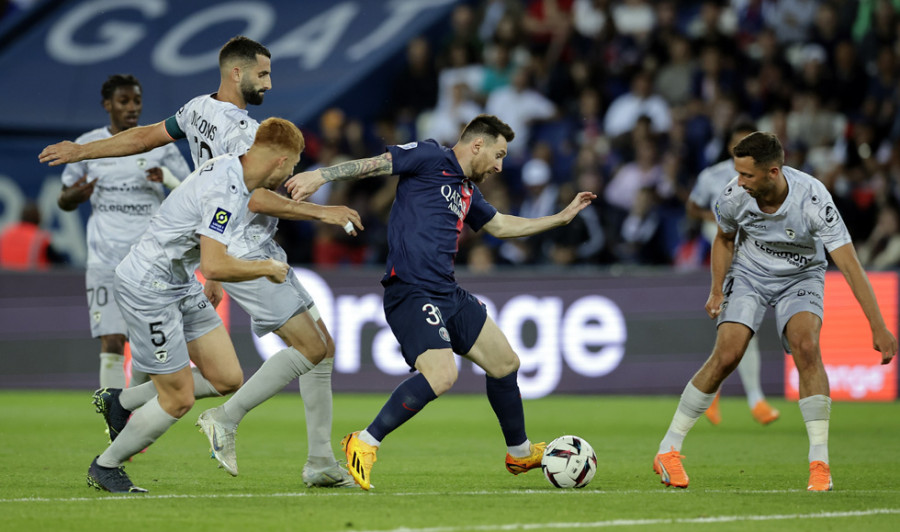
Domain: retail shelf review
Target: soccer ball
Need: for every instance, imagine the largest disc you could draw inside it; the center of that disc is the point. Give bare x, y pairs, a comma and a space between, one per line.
569, 462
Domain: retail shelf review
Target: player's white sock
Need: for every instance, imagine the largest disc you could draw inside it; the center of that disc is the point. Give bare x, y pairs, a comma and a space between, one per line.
315, 389
275, 373
365, 437
749, 370
132, 398
520, 451
816, 410
112, 370
144, 427
691, 406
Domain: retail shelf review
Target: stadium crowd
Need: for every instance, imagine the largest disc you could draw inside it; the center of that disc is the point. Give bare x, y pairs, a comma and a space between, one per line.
633, 99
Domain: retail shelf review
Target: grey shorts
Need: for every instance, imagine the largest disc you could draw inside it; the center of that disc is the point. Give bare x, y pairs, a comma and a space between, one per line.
271, 305
747, 297
104, 314
159, 334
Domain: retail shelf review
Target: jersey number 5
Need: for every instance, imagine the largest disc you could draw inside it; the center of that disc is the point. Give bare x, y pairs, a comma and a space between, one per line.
157, 337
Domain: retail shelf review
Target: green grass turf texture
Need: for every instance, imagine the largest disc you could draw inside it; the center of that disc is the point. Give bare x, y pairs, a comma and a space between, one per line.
443, 471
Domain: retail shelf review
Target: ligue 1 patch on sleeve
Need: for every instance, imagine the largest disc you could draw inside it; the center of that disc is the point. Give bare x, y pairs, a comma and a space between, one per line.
220, 220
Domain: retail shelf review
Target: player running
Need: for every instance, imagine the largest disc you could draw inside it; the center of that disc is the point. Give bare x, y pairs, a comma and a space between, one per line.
215, 124
710, 183
431, 316
169, 318
124, 193
784, 221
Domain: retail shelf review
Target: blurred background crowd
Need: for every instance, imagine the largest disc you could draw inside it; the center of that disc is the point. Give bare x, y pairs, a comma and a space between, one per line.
631, 99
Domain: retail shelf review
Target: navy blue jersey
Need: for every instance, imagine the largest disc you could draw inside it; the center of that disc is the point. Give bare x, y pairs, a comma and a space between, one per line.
433, 200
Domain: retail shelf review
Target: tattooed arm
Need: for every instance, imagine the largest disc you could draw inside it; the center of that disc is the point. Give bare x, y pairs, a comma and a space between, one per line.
303, 185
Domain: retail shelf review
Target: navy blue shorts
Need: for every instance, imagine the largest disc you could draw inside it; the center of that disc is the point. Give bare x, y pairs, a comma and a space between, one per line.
423, 319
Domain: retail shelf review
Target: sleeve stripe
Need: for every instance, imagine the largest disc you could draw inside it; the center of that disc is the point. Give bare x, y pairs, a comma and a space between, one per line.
172, 128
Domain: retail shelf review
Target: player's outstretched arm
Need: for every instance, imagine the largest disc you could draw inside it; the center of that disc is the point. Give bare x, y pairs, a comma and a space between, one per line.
265, 201
882, 340
303, 185
129, 142
509, 226
217, 265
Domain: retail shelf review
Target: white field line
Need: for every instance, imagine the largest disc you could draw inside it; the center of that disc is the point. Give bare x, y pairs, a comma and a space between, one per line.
349, 492
648, 522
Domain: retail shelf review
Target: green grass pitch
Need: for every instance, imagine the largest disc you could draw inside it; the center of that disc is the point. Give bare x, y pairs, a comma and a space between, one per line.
443, 471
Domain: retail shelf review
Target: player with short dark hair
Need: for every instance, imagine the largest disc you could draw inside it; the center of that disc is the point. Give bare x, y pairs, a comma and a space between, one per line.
710, 183
431, 316
775, 224
124, 193
170, 321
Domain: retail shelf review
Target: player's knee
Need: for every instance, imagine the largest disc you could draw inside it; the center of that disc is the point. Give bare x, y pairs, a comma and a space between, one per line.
724, 362
229, 382
318, 351
329, 347
805, 348
502, 367
113, 343
177, 403
443, 380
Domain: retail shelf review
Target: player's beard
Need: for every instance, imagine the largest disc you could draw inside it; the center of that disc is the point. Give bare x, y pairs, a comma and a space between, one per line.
252, 95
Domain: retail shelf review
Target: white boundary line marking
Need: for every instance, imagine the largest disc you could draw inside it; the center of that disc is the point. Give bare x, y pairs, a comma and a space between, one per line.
348, 492
645, 522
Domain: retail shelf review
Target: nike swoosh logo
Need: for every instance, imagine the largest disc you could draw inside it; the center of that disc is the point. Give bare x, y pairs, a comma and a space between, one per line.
446, 173
216, 446
410, 409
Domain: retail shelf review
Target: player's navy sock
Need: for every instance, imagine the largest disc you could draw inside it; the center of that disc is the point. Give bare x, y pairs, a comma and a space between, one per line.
506, 400
406, 400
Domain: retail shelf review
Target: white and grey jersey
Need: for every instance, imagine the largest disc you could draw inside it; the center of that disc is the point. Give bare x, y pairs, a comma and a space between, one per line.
790, 241
711, 182
210, 202
214, 128
123, 199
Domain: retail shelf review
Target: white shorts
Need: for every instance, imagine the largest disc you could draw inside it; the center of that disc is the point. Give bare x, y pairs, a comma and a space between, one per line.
747, 297
271, 305
104, 314
159, 334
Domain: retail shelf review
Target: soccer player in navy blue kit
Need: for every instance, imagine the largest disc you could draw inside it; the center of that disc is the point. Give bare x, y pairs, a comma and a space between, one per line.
431, 316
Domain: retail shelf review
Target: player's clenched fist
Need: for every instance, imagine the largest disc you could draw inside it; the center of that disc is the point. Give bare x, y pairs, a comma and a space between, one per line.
304, 184
277, 270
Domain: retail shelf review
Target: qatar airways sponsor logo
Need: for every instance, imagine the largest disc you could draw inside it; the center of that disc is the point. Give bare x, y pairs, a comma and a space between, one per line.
856, 380
456, 202
587, 335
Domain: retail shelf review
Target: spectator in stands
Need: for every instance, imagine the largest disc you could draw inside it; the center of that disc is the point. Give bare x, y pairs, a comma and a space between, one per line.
674, 79
624, 111
881, 251
25, 246
520, 106
446, 121
540, 200
416, 88
642, 239
791, 19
